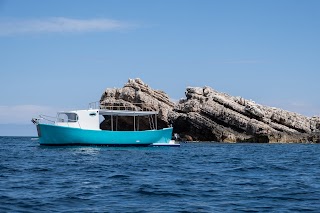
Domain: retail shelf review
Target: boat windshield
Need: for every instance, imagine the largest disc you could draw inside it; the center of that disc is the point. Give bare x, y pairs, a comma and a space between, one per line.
67, 117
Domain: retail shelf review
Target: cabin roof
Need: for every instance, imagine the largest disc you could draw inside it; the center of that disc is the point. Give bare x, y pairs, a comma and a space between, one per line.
127, 112
115, 112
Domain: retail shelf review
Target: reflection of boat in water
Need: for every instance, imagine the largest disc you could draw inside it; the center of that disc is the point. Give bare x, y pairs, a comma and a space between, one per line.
82, 127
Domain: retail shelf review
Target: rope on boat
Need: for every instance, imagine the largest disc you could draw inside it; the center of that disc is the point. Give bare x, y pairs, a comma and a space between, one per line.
151, 123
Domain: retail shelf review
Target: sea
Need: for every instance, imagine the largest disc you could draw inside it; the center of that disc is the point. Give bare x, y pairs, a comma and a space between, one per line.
195, 177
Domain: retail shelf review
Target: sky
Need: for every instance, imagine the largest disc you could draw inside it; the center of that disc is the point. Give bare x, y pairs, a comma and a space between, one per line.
57, 55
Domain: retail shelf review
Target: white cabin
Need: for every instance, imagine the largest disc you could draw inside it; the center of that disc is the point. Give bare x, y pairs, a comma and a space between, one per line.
89, 119
83, 119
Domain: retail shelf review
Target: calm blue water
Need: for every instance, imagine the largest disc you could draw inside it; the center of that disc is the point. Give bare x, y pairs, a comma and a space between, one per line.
197, 177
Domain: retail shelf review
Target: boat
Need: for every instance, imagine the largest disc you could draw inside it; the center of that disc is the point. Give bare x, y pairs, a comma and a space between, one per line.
82, 127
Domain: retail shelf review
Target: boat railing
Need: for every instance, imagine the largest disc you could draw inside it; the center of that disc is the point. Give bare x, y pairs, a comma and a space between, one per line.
47, 119
120, 106
51, 119
94, 105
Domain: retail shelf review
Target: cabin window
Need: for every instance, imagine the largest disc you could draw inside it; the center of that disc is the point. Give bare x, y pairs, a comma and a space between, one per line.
67, 117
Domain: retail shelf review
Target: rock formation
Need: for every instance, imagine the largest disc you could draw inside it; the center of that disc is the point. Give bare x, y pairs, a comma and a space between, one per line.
209, 115
136, 94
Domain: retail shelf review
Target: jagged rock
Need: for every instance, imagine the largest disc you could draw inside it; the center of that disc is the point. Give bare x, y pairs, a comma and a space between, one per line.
209, 115
136, 94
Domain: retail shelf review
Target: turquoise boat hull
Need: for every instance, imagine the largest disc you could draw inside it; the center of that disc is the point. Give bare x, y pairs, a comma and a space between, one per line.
60, 135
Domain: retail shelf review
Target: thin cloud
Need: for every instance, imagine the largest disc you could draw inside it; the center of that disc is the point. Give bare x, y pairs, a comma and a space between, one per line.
60, 25
22, 114
304, 108
301, 107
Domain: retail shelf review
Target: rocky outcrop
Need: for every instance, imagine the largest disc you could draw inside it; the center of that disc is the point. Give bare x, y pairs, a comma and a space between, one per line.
209, 115
212, 115
138, 95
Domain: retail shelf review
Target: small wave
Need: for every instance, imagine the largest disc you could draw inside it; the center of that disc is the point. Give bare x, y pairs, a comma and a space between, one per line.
151, 192
119, 176
40, 169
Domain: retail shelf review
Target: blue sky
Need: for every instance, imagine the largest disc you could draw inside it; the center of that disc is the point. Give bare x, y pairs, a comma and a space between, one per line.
58, 55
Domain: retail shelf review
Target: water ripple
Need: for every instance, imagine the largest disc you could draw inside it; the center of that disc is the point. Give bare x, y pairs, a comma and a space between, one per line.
203, 177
